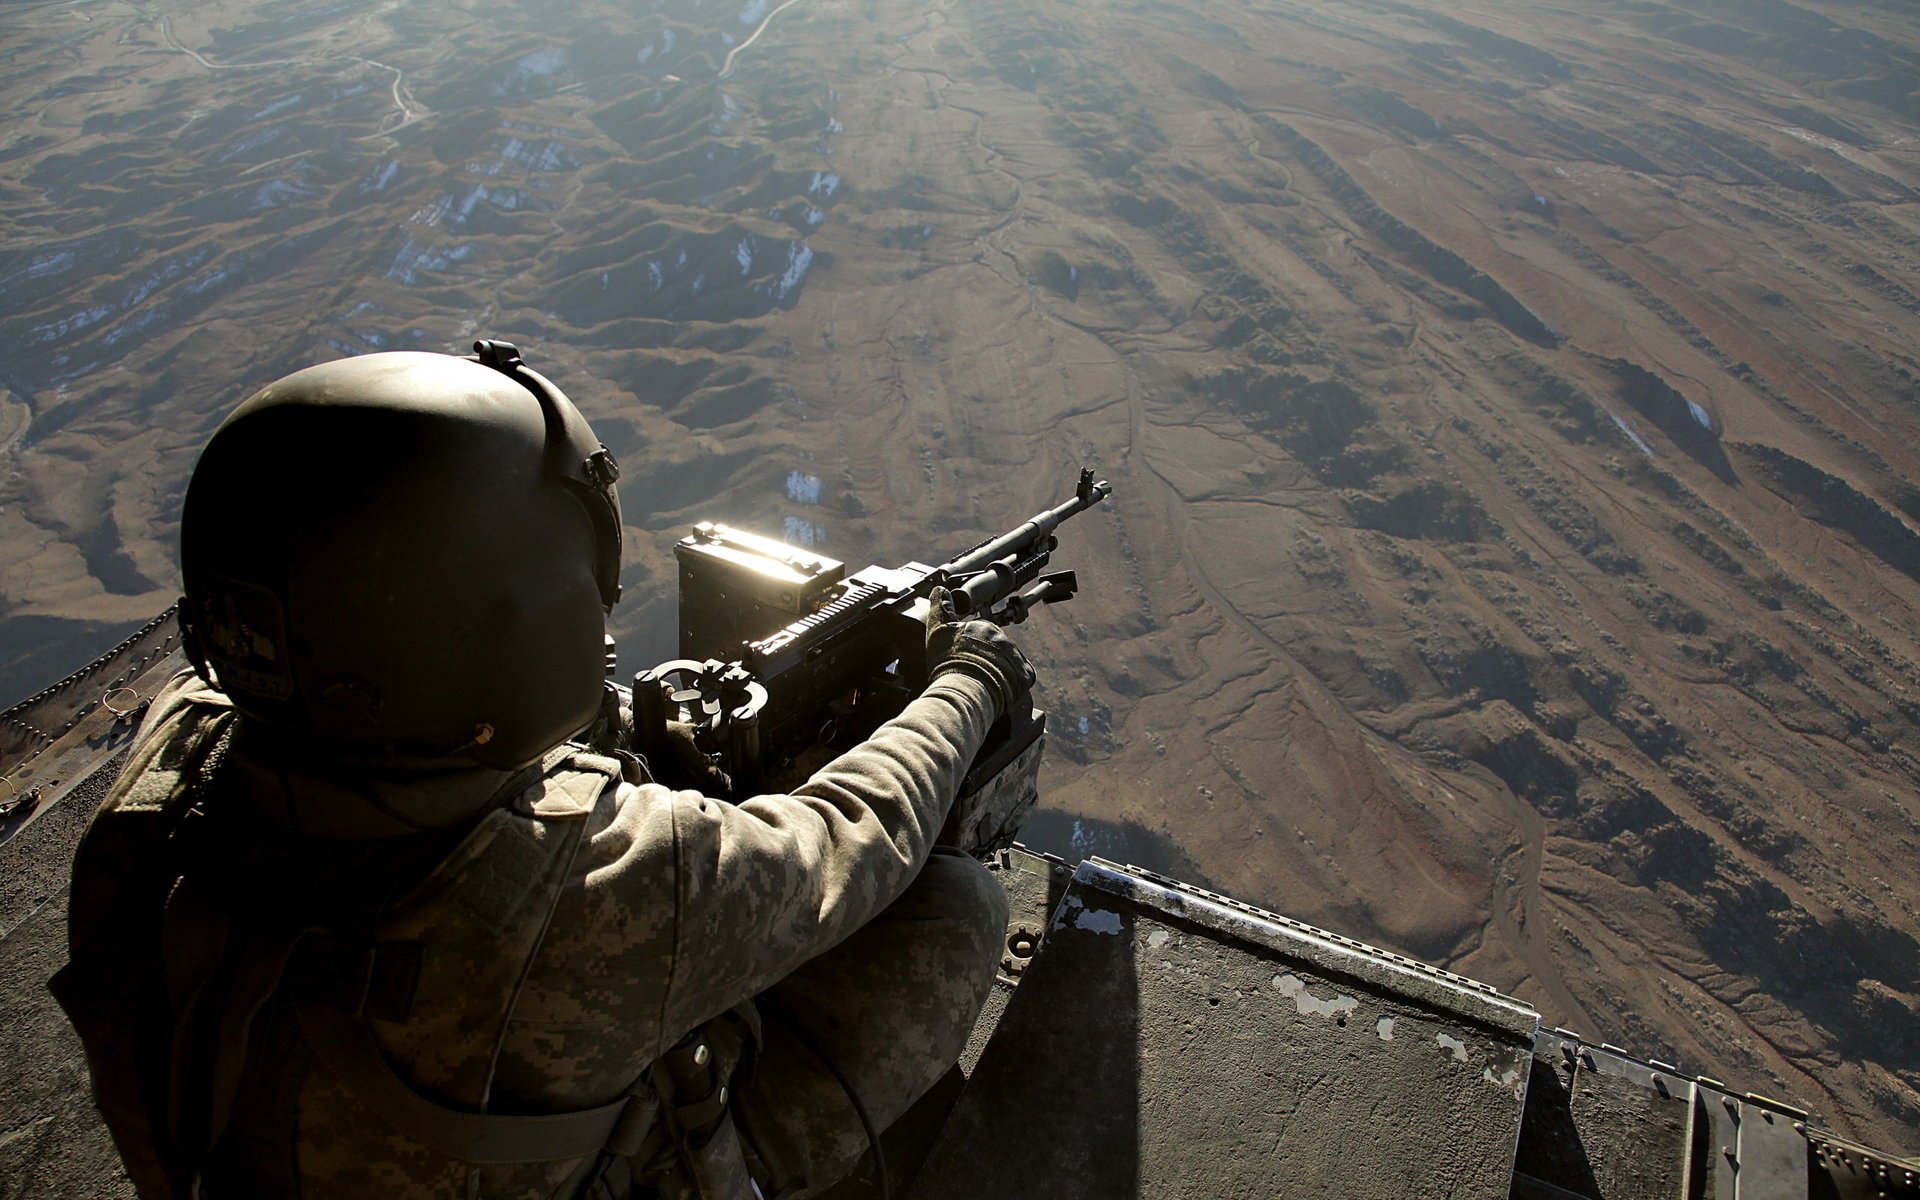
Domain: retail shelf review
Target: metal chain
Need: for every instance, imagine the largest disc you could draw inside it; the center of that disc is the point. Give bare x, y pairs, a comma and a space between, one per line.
15, 717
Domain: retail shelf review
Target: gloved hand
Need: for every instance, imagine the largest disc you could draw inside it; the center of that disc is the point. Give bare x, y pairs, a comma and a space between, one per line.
686, 767
978, 648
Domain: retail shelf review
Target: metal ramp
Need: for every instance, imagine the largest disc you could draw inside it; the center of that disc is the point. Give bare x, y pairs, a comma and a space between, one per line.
1164, 1041
1169, 1042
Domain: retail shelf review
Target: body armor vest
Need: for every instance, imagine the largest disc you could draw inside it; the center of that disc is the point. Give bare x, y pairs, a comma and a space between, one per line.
242, 1031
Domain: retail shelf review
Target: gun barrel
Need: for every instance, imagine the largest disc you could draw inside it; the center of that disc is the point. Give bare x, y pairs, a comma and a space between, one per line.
1023, 539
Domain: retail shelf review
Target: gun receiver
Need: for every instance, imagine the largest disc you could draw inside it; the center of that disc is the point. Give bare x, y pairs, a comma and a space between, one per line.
783, 655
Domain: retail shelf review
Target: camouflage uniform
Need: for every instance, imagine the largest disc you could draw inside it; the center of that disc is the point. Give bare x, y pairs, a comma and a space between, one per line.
666, 909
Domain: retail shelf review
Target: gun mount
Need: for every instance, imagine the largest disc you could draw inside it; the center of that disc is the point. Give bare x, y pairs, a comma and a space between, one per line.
784, 655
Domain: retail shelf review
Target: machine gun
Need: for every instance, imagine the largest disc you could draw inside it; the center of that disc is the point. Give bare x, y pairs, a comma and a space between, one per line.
785, 658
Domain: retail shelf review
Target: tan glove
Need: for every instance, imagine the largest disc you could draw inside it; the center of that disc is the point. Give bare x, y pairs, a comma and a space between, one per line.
978, 648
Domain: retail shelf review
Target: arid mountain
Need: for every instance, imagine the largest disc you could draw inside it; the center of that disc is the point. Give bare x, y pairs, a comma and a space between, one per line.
1514, 408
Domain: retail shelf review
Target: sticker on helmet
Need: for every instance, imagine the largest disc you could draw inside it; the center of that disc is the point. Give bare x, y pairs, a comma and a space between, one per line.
245, 635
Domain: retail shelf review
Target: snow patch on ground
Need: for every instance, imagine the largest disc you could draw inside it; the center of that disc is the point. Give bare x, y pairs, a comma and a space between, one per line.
1633, 437
803, 488
537, 155
249, 144
277, 107
414, 260
458, 208
544, 61
212, 279
274, 193
796, 532
382, 176
49, 264
799, 258
84, 319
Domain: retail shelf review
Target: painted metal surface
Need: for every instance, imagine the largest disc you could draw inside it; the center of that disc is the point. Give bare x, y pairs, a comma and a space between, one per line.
1168, 1042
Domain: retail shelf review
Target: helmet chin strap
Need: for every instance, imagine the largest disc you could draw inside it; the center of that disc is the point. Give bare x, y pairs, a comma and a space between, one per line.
190, 640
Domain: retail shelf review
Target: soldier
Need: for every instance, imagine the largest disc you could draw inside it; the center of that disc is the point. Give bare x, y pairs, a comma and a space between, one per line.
359, 919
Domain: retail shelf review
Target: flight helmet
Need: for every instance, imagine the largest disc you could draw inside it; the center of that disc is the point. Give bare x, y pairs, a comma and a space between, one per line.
406, 555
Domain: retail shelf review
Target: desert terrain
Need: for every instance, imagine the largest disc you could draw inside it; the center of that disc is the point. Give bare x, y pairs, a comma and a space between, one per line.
1513, 407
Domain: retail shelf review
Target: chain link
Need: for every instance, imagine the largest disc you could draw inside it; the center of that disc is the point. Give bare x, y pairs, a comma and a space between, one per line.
19, 721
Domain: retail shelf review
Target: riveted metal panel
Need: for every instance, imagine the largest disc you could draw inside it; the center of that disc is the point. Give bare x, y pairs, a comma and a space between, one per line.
1632, 1122
1844, 1170
1712, 1136
1772, 1156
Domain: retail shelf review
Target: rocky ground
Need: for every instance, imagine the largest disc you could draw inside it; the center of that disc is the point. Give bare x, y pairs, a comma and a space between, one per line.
1512, 405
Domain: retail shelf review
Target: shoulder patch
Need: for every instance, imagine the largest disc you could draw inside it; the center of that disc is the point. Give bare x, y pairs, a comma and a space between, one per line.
571, 789
498, 880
